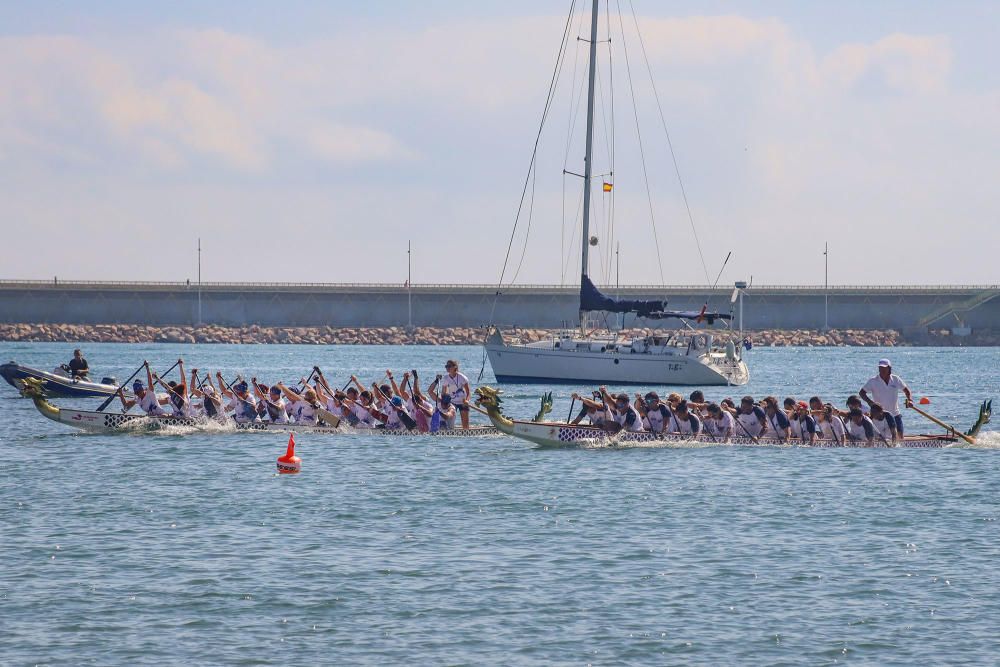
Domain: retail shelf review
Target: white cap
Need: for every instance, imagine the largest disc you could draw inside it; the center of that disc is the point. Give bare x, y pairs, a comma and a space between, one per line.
209, 390
884, 363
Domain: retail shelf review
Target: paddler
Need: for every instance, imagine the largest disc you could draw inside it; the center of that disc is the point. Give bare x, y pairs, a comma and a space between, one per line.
145, 397
859, 427
269, 398
303, 402
656, 415
683, 421
240, 403
884, 424
444, 412
777, 420
622, 411
830, 425
753, 421
177, 393
718, 423
884, 389
801, 424
593, 410
211, 406
421, 409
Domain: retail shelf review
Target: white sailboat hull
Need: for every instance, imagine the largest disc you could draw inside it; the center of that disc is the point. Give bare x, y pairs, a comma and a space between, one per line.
522, 363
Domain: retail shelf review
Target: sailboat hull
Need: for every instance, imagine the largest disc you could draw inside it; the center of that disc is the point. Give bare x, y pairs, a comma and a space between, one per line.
513, 363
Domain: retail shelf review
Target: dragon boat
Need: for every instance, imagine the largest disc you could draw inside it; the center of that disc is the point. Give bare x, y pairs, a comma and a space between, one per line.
562, 434
57, 384
117, 422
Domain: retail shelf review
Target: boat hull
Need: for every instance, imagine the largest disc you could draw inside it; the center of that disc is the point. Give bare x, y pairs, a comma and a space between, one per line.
116, 422
518, 363
53, 385
561, 435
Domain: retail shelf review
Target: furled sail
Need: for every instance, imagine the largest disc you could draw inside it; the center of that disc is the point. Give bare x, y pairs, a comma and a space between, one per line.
592, 299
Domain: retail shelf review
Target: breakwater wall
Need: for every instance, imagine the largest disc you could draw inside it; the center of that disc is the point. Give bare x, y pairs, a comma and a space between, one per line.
254, 334
911, 309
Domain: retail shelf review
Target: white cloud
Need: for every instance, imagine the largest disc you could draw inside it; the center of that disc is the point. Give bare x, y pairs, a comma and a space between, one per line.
782, 144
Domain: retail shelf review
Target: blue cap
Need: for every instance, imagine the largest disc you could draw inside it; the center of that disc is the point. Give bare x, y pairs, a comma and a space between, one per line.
137, 386
397, 401
241, 386
446, 398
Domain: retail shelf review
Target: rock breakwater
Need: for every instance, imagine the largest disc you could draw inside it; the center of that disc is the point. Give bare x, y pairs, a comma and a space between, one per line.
128, 333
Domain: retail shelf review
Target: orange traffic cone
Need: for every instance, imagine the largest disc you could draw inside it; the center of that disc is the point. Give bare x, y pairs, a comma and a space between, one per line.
925, 401
290, 463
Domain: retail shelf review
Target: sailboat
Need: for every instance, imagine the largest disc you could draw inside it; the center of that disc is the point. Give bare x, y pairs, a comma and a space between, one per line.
679, 357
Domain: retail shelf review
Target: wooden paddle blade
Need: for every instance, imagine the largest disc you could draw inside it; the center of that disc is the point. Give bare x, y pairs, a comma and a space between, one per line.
331, 419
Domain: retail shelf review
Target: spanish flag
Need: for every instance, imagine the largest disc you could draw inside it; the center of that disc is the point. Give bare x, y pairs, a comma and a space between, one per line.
607, 187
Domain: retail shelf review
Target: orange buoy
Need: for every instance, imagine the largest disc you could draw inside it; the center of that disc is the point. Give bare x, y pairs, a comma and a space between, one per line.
289, 463
925, 401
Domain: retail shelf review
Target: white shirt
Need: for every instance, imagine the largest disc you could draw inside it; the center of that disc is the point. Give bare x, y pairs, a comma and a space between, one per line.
455, 386
884, 393
831, 430
150, 404
721, 425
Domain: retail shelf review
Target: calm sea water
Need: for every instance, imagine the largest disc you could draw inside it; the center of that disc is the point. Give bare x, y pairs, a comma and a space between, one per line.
188, 548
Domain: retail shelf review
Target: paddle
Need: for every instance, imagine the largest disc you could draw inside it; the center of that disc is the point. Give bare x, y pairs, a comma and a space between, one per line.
409, 422
572, 405
942, 424
115, 395
736, 418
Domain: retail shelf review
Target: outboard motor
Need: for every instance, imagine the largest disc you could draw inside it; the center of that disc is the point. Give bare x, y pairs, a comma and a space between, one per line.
113, 381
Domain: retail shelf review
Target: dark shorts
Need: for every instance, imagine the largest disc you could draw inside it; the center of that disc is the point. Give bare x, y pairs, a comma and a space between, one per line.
899, 424
461, 407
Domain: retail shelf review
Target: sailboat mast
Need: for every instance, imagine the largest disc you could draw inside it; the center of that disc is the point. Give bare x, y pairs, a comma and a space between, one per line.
587, 166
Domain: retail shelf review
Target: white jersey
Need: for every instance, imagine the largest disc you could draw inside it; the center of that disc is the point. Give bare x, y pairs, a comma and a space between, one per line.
150, 404
831, 430
243, 411
862, 431
689, 426
186, 408
365, 417
720, 426
657, 418
392, 419
885, 393
455, 386
753, 423
799, 428
882, 428
278, 411
304, 412
633, 423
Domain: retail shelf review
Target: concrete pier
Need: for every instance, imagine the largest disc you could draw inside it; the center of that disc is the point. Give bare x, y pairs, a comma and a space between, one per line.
907, 308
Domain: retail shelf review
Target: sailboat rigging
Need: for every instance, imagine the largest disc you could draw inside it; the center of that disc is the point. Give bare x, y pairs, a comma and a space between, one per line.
666, 358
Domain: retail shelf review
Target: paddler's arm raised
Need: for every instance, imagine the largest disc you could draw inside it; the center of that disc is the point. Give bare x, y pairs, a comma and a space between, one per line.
195, 390
223, 389
184, 382
357, 383
149, 376
289, 394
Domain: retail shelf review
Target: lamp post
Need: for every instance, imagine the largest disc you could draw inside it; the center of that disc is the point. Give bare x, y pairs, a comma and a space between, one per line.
826, 286
199, 281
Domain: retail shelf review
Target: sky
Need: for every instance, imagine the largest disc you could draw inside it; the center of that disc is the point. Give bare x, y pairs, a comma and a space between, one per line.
311, 142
